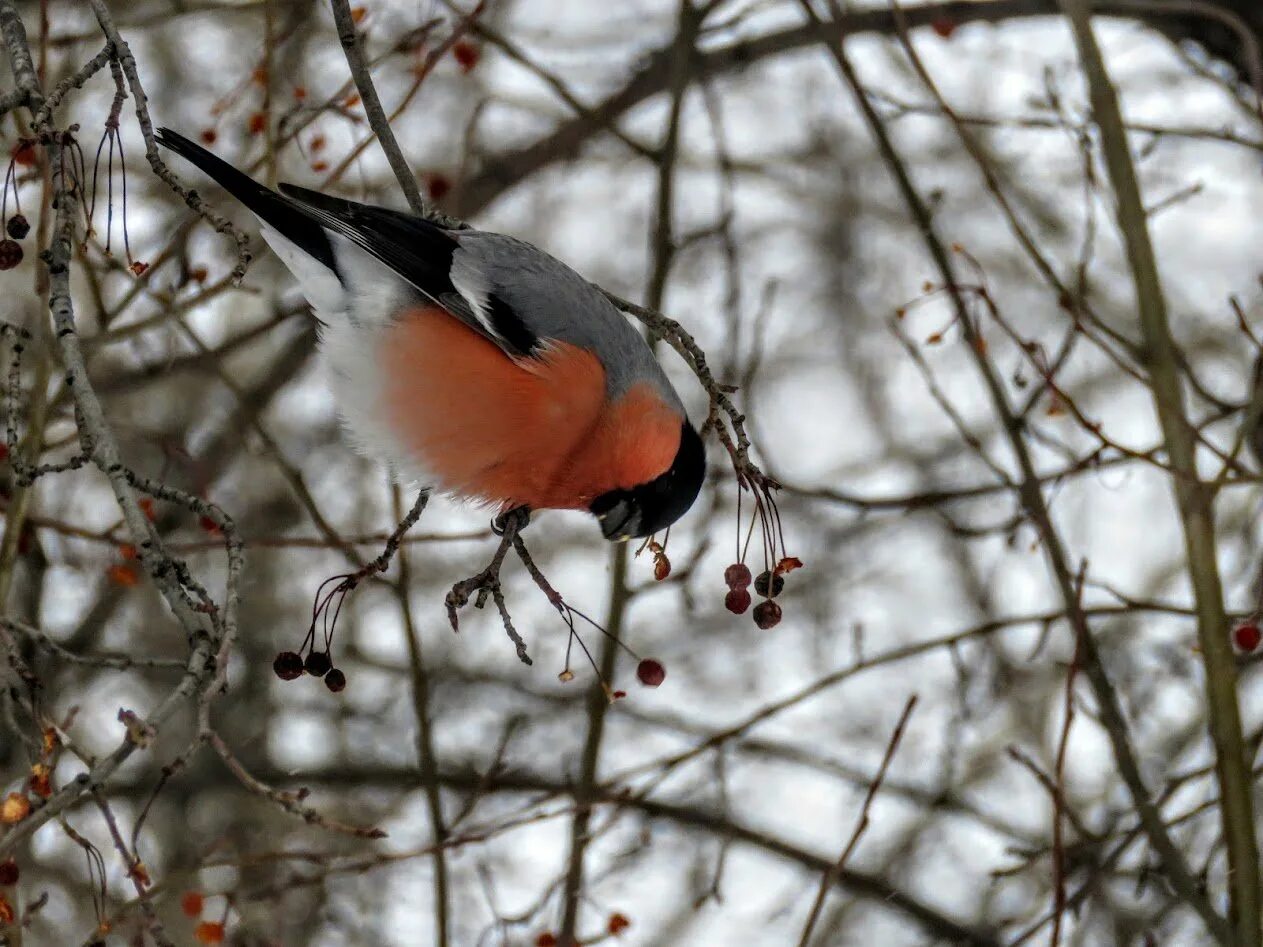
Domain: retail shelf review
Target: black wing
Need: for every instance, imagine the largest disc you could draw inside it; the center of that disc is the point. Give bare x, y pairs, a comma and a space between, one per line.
422, 254
290, 220
419, 251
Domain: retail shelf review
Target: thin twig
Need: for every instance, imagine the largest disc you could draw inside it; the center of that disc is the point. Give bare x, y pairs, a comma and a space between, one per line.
348, 36
829, 878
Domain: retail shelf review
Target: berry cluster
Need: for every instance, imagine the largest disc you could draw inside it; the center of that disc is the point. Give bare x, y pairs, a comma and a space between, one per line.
769, 584
17, 226
290, 665
771, 581
649, 671
192, 904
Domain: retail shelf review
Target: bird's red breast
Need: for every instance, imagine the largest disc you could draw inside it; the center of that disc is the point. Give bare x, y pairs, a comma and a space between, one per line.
538, 432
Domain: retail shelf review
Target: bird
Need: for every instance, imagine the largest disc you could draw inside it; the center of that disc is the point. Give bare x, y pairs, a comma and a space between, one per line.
475, 363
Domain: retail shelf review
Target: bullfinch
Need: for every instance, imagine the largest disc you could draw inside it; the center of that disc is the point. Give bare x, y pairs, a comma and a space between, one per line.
476, 363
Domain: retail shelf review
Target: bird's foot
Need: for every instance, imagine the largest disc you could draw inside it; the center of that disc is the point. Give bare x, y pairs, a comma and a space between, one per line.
517, 517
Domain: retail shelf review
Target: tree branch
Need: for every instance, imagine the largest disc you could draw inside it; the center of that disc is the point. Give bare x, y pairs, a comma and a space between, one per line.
1194, 497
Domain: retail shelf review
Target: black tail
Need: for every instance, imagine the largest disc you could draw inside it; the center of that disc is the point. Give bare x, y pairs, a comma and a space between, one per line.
286, 216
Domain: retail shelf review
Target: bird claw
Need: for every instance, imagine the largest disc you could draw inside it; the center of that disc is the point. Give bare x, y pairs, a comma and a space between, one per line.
517, 517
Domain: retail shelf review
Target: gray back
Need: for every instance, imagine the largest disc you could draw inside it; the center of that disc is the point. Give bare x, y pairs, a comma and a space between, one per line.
556, 302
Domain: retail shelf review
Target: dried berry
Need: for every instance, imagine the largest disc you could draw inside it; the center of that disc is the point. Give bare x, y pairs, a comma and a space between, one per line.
944, 26
288, 665
617, 923
191, 904
257, 123
737, 601
466, 55
208, 136
335, 680
788, 564
767, 614
14, 809
1247, 636
124, 574
8, 873
10, 254
138, 267
18, 226
761, 584
438, 185
209, 932
651, 673
661, 566
737, 576
318, 663
546, 940
41, 780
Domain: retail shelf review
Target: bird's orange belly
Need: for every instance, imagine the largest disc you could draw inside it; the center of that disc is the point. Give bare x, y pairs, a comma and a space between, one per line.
483, 425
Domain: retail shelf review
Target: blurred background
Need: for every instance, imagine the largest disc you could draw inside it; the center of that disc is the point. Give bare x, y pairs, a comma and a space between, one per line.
711, 160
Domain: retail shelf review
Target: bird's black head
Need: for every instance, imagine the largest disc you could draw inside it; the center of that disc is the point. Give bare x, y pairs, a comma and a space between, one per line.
645, 509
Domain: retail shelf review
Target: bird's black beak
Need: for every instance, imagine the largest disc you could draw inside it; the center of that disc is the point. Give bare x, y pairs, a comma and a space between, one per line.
618, 516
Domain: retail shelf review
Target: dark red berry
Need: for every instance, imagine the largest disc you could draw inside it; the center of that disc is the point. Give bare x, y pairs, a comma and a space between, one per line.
288, 665
192, 903
466, 55
661, 566
651, 673
18, 227
737, 576
335, 680
767, 614
617, 923
8, 872
1247, 636
737, 601
10, 254
761, 584
318, 663
438, 185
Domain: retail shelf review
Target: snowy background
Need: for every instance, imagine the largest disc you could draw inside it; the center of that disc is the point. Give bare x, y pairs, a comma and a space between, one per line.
795, 252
